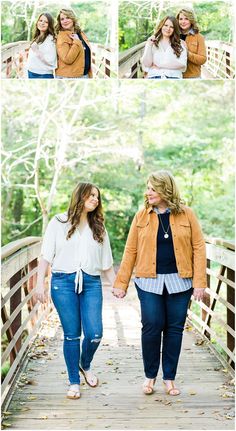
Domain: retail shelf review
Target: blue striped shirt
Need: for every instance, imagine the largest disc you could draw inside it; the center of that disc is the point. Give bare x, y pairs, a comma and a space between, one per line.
173, 282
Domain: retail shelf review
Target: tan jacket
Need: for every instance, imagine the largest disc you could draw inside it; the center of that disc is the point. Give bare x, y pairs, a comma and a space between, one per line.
141, 248
196, 55
71, 56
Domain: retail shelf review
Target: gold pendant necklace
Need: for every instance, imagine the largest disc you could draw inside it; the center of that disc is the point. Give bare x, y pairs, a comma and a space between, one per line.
165, 232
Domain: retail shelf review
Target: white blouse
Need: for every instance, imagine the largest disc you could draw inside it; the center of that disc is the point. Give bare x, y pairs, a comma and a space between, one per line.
80, 251
49, 53
168, 64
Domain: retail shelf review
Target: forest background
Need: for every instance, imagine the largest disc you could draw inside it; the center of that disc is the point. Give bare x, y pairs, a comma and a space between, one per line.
96, 18
138, 18
114, 135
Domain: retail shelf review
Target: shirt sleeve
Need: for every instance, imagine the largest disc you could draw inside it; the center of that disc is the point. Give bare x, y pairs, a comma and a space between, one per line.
147, 58
49, 241
50, 54
107, 260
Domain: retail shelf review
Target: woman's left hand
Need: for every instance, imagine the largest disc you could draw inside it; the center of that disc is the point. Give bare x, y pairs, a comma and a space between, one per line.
198, 294
74, 36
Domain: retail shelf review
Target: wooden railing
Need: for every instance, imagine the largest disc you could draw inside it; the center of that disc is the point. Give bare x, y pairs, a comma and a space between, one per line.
129, 62
21, 314
14, 57
220, 61
215, 319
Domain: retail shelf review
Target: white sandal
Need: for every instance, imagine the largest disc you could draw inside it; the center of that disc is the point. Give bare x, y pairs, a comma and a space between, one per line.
90, 378
73, 392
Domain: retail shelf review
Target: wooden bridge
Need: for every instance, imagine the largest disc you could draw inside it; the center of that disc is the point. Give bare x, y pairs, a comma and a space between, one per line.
219, 65
34, 387
14, 56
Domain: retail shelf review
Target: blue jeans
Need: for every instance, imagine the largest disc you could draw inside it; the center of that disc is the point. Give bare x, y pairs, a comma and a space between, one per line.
33, 75
167, 77
77, 312
163, 318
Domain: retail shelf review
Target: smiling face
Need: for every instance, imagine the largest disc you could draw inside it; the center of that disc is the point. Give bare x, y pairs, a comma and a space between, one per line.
66, 22
153, 197
92, 201
168, 28
42, 24
184, 22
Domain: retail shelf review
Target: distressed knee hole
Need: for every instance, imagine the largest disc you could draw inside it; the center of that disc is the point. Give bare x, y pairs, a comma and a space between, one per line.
97, 339
72, 339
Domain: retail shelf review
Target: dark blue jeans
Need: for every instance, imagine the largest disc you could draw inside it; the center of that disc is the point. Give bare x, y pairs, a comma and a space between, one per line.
32, 75
77, 312
163, 318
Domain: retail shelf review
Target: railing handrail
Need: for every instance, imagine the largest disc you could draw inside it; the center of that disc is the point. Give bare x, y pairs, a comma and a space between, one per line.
11, 51
230, 244
125, 55
12, 247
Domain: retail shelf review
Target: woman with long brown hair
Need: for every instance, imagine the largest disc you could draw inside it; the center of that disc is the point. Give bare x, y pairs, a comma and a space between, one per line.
73, 48
77, 247
195, 43
166, 246
165, 55
42, 58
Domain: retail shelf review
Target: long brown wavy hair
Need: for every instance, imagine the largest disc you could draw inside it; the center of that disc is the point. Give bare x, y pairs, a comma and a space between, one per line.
41, 38
95, 218
190, 15
165, 185
174, 38
69, 14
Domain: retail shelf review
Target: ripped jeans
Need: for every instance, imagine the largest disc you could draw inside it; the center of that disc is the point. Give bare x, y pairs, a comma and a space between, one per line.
76, 312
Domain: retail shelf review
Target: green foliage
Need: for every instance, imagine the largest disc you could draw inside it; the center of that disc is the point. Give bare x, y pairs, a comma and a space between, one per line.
136, 24
18, 18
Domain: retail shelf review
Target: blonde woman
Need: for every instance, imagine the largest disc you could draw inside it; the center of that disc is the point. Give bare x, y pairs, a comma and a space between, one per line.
166, 246
42, 58
196, 48
165, 55
73, 48
77, 247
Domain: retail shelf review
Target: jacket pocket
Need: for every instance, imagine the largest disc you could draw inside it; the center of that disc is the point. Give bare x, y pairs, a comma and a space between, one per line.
193, 47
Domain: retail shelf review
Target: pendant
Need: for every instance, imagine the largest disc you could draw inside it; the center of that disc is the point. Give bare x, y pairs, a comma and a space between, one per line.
166, 235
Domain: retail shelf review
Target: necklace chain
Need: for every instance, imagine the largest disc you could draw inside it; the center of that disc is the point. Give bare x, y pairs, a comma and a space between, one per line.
165, 231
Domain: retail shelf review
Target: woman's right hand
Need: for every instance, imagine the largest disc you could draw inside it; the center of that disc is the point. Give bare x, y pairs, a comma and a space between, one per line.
151, 40
119, 293
40, 294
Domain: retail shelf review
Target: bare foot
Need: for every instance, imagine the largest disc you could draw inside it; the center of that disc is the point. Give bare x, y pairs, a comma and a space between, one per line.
148, 386
171, 388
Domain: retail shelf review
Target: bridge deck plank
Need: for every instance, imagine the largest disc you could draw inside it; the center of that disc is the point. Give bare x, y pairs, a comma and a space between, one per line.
118, 402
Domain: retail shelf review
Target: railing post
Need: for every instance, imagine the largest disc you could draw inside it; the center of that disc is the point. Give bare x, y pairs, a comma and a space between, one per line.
227, 60
14, 302
207, 302
230, 314
133, 68
9, 67
107, 69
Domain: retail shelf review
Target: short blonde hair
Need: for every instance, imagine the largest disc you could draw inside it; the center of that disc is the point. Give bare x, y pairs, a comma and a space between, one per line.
190, 16
165, 185
69, 14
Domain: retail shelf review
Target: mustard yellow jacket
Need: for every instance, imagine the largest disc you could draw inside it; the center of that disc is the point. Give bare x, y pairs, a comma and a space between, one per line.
71, 58
196, 55
141, 247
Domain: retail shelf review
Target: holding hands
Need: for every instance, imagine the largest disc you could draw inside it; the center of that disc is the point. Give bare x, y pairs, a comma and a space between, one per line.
119, 293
